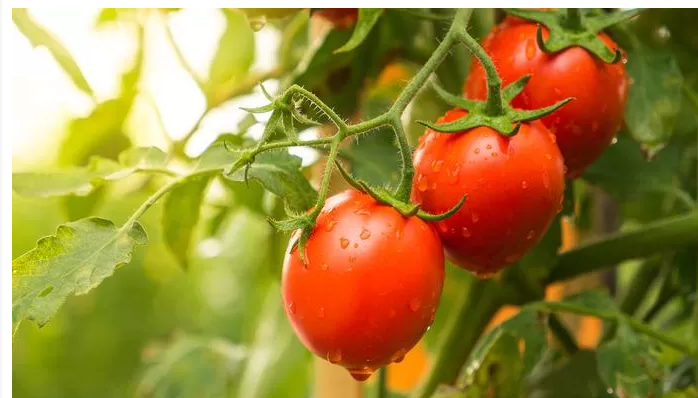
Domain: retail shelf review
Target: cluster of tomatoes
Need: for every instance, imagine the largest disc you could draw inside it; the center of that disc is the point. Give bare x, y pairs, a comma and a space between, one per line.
373, 278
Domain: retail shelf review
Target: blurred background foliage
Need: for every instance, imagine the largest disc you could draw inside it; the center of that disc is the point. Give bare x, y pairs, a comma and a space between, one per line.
95, 82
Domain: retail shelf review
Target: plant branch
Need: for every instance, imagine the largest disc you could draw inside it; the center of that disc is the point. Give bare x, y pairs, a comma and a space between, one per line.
657, 236
562, 334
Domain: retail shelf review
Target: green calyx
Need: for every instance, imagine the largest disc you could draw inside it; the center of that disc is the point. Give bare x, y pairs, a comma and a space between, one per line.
385, 197
574, 27
507, 122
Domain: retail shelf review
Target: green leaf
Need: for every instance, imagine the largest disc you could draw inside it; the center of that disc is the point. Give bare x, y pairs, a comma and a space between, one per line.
655, 97
628, 366
38, 36
366, 21
279, 172
75, 260
83, 180
499, 374
190, 366
577, 377
233, 57
181, 214
216, 157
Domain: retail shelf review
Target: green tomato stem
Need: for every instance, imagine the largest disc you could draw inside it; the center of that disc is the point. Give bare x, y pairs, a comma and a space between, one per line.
562, 334
658, 236
573, 19
495, 105
382, 384
470, 316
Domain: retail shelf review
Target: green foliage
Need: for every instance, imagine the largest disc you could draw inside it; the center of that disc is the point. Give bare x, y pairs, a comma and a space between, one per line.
75, 260
181, 214
366, 21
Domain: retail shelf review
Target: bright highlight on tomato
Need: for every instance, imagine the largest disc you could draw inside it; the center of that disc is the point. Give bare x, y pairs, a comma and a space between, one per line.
515, 187
370, 288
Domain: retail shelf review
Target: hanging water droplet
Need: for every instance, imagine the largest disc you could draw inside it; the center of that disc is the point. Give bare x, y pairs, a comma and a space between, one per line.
530, 49
365, 234
398, 356
466, 232
257, 23
344, 242
334, 356
360, 374
415, 304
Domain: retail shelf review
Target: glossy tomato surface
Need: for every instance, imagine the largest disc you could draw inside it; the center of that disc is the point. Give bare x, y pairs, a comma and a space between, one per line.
514, 187
371, 286
585, 126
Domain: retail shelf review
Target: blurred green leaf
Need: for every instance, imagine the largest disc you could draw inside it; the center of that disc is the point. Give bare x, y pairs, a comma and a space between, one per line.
655, 97
181, 214
279, 172
233, 58
190, 366
366, 21
38, 36
577, 377
499, 372
75, 260
83, 180
294, 39
111, 15
628, 366
216, 157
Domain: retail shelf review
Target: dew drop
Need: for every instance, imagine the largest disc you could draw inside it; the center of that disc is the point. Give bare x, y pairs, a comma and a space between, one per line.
321, 313
415, 304
466, 232
443, 228
324, 267
436, 165
398, 233
330, 225
494, 154
334, 356
398, 356
553, 138
433, 186
614, 141
365, 234
362, 212
356, 245
530, 49
475, 218
524, 184
292, 308
530, 234
344, 242
453, 175
360, 374
549, 156
422, 183
546, 180
477, 150
489, 146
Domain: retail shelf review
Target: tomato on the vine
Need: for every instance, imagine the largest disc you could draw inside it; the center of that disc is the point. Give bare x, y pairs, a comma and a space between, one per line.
585, 126
370, 287
514, 187
341, 18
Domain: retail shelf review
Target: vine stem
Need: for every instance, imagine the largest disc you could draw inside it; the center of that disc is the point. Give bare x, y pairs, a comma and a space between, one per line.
152, 199
617, 317
495, 104
381, 385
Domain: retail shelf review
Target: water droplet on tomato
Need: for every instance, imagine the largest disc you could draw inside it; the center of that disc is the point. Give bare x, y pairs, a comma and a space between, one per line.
494, 154
344, 242
398, 356
475, 218
321, 313
524, 184
356, 245
360, 374
415, 304
530, 234
546, 180
330, 225
398, 233
436, 165
352, 259
433, 186
549, 156
489, 146
334, 356
362, 212
477, 150
553, 138
453, 175
530, 49
465, 232
365, 234
422, 183
324, 267
291, 308
443, 228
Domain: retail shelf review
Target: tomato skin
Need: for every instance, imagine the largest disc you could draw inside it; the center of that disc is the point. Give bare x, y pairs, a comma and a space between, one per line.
585, 126
515, 186
341, 18
366, 296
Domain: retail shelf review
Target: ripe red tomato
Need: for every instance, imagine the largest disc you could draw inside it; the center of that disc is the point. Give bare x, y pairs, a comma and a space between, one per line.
371, 286
341, 18
585, 126
515, 187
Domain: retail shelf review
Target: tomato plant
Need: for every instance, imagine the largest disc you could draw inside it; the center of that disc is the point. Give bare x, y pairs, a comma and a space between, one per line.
346, 304
514, 185
359, 207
